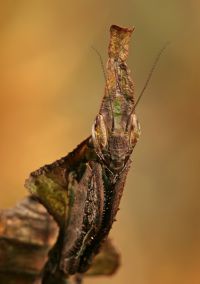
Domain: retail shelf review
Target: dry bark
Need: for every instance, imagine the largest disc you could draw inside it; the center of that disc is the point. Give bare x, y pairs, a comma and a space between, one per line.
27, 232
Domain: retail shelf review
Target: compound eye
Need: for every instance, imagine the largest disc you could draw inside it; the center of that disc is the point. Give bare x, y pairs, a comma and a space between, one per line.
99, 133
137, 128
134, 130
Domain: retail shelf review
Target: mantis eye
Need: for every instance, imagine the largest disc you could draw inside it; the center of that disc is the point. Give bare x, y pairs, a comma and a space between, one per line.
99, 133
133, 129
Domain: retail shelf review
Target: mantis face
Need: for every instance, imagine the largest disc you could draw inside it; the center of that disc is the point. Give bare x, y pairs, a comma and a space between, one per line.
114, 147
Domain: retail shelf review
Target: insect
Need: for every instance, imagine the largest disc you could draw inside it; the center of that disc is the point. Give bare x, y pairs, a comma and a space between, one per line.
82, 191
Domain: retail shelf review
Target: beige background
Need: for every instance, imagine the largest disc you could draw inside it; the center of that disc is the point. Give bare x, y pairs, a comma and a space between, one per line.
51, 86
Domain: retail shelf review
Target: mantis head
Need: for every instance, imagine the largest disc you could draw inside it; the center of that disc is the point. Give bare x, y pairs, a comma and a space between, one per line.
115, 146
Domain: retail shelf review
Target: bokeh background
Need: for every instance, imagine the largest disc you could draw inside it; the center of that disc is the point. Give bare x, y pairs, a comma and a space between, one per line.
51, 85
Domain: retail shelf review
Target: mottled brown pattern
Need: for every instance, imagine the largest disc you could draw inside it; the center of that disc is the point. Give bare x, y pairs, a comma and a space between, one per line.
83, 190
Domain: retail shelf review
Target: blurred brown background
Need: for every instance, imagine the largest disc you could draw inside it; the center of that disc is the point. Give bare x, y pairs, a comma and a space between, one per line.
51, 86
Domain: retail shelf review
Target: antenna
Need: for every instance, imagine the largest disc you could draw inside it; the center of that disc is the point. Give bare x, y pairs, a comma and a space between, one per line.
101, 61
151, 73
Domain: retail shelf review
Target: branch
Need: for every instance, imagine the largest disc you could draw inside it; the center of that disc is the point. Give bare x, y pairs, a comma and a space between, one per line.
27, 232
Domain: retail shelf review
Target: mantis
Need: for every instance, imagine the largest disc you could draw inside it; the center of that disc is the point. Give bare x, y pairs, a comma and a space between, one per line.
82, 191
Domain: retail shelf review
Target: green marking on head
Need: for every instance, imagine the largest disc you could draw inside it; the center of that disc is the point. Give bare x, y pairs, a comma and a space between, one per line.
116, 107
117, 112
